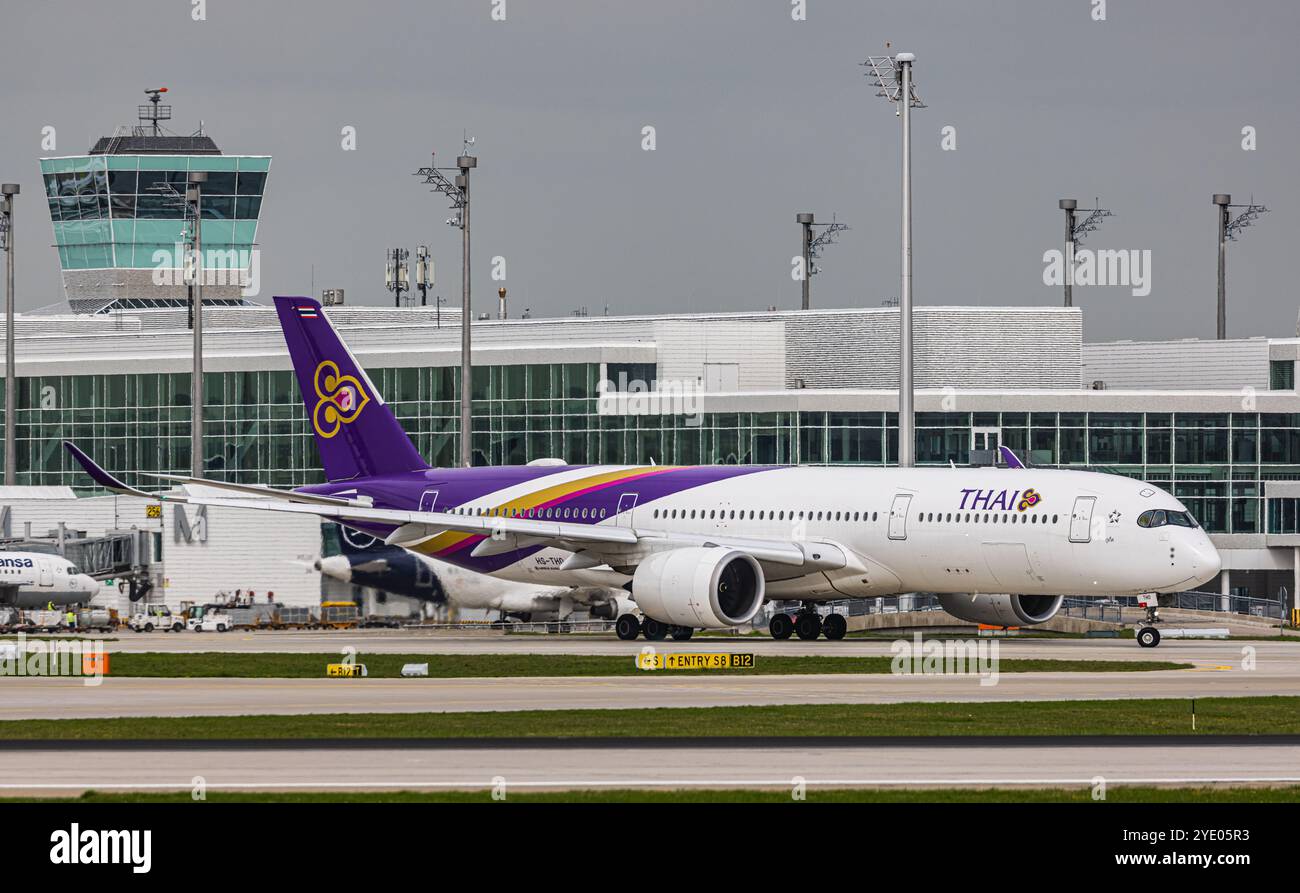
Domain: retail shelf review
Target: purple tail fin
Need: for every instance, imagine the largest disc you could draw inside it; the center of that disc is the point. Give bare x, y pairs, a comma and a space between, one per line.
356, 433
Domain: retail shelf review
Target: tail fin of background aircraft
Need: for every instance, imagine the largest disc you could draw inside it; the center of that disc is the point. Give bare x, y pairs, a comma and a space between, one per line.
356, 433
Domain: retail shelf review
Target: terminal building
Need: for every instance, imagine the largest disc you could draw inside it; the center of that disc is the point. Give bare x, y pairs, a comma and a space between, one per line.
1215, 422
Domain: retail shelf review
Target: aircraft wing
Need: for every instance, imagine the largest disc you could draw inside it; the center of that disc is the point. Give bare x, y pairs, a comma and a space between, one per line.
502, 534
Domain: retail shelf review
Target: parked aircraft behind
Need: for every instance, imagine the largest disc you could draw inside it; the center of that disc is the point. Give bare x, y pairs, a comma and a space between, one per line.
366, 561
704, 547
39, 579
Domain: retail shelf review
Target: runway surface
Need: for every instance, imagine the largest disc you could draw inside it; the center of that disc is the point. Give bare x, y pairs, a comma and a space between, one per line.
915, 763
62, 698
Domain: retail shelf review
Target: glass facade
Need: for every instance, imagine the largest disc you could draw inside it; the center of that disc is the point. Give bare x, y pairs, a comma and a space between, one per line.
115, 211
256, 431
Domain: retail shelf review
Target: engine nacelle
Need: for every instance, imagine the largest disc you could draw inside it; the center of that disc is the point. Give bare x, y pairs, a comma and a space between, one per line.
699, 587
1001, 609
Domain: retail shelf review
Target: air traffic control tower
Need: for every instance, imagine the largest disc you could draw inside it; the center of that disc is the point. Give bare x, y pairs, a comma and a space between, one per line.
119, 217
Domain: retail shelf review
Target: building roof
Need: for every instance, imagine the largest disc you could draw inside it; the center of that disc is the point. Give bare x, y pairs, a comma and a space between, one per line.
149, 144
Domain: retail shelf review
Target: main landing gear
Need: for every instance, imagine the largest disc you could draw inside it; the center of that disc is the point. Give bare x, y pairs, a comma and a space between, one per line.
1147, 635
628, 627
807, 624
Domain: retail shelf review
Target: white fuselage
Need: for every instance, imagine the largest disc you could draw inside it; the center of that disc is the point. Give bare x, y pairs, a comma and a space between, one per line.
928, 529
37, 580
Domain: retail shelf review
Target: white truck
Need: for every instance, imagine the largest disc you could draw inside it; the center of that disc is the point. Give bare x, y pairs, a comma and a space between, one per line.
208, 618
156, 617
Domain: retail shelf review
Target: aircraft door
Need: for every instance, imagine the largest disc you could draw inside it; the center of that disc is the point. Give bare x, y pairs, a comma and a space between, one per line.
46, 577
1081, 519
626, 503
428, 499
898, 516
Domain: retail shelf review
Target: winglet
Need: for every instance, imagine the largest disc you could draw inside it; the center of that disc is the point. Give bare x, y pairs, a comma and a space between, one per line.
102, 477
1009, 457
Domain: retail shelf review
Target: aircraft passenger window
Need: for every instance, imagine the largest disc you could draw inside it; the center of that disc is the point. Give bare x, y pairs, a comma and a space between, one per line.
1054, 517
874, 515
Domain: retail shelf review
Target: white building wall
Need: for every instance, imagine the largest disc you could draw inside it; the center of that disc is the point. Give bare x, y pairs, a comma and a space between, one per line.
755, 346
957, 347
244, 549
1190, 364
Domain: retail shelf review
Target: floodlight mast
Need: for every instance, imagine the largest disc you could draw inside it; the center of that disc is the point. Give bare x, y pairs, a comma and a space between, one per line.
893, 79
458, 192
8, 192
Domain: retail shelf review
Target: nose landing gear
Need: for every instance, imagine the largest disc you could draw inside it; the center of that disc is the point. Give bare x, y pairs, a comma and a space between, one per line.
1147, 635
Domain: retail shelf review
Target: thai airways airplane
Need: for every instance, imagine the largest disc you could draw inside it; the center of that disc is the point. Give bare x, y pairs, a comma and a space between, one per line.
704, 547
40, 579
415, 575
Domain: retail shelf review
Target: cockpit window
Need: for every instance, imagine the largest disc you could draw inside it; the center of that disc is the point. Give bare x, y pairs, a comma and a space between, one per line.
1161, 517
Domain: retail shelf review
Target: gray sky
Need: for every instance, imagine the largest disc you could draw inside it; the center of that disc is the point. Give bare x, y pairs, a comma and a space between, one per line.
757, 117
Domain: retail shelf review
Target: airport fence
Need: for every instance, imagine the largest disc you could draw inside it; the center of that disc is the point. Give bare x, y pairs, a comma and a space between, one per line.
1104, 610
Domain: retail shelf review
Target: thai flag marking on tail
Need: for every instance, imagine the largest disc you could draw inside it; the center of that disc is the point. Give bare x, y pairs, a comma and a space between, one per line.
307, 312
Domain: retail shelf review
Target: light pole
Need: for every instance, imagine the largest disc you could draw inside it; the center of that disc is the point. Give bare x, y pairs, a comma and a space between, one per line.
805, 221
1069, 205
813, 243
893, 78
9, 190
1074, 233
466, 163
1229, 227
194, 199
458, 192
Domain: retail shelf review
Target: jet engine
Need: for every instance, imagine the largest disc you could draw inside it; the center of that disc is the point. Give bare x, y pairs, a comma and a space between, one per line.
699, 587
1001, 609
613, 609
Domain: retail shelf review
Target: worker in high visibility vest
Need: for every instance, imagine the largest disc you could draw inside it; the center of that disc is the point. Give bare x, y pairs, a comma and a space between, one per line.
71, 617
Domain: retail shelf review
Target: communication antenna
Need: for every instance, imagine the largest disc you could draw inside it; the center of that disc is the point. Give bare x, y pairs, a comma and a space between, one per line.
423, 273
397, 276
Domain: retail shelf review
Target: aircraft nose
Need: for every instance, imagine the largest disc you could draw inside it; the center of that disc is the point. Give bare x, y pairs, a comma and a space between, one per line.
93, 586
336, 566
1206, 561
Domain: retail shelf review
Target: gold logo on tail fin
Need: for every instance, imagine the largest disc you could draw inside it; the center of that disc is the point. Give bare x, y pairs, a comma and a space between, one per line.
339, 399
